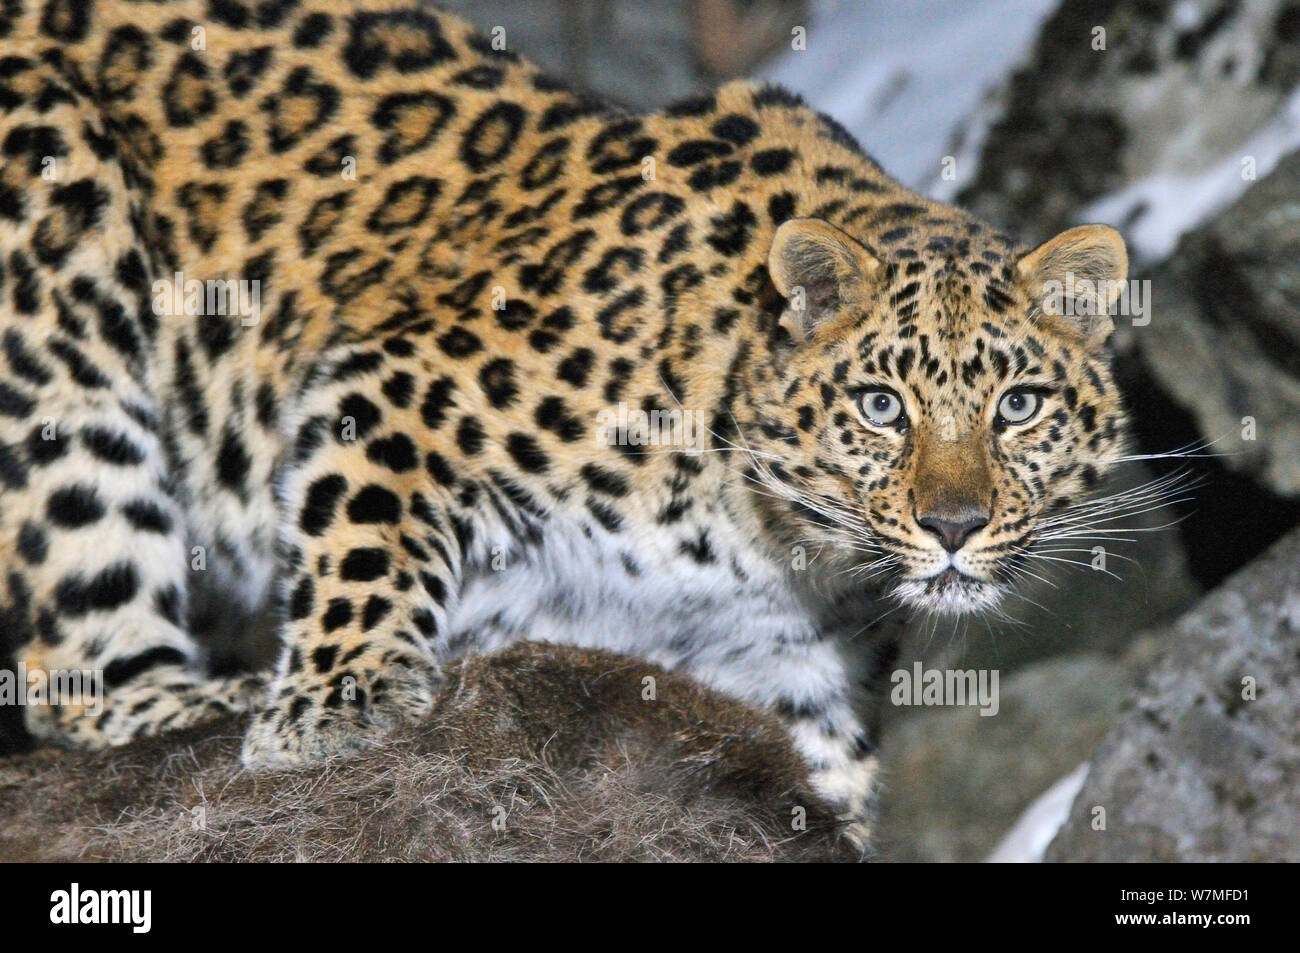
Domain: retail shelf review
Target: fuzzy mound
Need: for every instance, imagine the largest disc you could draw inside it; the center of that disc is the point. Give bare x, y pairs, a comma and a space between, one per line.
539, 753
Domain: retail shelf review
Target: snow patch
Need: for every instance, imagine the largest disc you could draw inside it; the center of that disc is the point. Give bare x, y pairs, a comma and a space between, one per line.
1027, 841
904, 77
1155, 211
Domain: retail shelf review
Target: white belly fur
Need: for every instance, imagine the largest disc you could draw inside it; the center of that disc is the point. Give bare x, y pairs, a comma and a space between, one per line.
729, 632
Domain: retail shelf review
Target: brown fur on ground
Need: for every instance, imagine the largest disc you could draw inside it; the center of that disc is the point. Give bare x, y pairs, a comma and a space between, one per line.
555, 744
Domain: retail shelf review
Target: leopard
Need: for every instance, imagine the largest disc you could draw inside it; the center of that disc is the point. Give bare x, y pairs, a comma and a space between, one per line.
702, 386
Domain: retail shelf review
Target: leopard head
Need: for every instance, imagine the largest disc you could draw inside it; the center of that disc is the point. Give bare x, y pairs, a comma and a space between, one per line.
937, 407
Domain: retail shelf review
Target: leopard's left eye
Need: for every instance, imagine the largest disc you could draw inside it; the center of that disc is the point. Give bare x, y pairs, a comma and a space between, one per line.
1019, 406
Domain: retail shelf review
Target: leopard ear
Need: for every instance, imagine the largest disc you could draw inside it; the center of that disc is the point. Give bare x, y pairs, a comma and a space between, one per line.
1078, 276
820, 271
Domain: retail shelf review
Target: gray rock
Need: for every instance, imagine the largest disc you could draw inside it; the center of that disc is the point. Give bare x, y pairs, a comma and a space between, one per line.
1224, 337
1170, 90
955, 781
637, 54
1192, 770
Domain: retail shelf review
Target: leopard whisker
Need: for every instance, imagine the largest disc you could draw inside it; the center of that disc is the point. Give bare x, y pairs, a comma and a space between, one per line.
1070, 562
1112, 513
1161, 489
855, 528
1128, 559
1188, 451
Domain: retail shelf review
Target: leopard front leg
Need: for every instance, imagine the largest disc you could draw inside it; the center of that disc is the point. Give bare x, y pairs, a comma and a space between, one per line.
373, 561
93, 552
848, 780
841, 755
827, 691
838, 728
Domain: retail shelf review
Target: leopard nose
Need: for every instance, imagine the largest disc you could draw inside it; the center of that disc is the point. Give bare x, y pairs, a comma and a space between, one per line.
952, 534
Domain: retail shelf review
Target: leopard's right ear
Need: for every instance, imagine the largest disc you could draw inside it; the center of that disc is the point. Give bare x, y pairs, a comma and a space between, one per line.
820, 271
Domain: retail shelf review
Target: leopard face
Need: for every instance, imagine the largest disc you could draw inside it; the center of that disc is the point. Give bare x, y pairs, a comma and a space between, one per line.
933, 418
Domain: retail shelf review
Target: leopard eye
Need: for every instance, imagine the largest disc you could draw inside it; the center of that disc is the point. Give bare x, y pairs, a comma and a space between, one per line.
1019, 406
883, 408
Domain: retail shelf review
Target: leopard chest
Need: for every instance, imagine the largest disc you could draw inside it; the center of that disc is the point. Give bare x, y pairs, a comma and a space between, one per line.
676, 597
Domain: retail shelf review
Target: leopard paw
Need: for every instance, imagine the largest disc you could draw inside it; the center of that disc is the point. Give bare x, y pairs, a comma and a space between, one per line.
305, 724
851, 788
162, 700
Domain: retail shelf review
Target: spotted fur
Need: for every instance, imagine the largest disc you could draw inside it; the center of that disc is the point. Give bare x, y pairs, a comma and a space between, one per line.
461, 265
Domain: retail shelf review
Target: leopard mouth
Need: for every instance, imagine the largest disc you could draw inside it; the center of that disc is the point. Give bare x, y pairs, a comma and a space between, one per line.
949, 592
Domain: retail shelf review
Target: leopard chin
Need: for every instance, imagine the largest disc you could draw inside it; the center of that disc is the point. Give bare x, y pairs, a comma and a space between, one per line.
950, 593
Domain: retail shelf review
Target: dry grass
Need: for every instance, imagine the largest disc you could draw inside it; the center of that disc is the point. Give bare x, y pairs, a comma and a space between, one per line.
554, 744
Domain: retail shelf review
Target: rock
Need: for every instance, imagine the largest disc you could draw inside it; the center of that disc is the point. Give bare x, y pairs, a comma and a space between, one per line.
955, 781
639, 55
1138, 113
1224, 335
1196, 768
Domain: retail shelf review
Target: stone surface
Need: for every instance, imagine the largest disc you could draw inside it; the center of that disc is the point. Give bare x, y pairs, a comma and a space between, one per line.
955, 781
1148, 104
1224, 337
1191, 769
